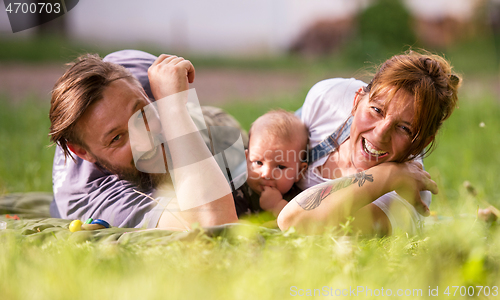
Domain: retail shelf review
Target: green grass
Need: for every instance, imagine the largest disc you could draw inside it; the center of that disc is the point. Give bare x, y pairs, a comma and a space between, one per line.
468, 149
246, 112
48, 49
26, 159
249, 263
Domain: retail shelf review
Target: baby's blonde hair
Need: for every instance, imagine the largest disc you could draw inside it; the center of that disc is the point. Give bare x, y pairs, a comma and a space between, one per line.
283, 125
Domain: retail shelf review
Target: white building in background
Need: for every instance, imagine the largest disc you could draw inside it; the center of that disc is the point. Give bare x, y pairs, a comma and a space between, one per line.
215, 26
434, 9
227, 27
201, 26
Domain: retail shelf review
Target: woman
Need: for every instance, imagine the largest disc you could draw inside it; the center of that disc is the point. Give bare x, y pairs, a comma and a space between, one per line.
367, 143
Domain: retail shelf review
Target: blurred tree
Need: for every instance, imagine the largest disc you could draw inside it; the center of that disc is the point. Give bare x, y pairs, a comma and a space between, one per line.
384, 28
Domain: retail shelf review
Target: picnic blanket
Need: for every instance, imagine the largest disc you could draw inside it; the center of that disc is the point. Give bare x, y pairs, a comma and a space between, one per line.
27, 215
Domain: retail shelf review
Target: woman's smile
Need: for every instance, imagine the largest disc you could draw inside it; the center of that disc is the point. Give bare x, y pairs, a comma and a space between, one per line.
372, 150
379, 130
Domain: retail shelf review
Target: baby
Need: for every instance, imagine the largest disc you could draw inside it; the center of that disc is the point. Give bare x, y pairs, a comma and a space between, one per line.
276, 160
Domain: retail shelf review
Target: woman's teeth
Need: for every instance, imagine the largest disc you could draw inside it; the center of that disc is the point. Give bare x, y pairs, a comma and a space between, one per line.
370, 150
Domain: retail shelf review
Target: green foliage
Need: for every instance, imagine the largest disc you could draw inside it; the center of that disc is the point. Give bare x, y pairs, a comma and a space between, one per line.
25, 158
383, 28
388, 23
47, 48
474, 57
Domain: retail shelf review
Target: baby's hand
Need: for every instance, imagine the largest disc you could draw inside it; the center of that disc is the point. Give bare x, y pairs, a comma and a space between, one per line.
272, 200
269, 198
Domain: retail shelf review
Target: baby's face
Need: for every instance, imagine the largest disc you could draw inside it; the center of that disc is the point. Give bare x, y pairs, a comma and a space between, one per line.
273, 162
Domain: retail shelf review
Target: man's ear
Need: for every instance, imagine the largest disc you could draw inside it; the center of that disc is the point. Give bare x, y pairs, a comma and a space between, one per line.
80, 152
302, 171
246, 153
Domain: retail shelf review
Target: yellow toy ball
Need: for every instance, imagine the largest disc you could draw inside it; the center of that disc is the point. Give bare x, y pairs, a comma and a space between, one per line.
76, 225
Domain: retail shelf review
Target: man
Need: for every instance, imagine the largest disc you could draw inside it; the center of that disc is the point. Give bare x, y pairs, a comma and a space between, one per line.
94, 173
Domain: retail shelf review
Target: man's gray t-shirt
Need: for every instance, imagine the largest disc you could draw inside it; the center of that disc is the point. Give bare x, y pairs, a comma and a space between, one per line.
82, 190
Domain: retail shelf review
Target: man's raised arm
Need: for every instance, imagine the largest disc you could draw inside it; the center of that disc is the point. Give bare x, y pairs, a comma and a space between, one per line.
202, 192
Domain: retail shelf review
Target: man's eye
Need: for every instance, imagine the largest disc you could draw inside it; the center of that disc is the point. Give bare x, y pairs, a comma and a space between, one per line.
258, 162
116, 138
281, 167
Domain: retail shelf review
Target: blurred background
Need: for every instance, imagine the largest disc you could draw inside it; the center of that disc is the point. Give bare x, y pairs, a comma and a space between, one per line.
319, 38
259, 27
251, 56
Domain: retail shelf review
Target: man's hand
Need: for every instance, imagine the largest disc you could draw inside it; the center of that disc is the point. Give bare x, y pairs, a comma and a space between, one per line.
170, 75
272, 200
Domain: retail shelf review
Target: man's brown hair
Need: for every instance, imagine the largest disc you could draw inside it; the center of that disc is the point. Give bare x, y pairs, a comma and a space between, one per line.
80, 86
429, 80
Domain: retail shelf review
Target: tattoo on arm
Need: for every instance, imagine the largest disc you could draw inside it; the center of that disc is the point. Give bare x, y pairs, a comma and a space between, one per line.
315, 195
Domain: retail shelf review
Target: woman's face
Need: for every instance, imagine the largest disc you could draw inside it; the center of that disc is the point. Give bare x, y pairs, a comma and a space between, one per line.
381, 132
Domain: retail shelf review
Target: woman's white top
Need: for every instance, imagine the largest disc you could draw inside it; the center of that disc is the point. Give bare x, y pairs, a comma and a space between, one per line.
327, 106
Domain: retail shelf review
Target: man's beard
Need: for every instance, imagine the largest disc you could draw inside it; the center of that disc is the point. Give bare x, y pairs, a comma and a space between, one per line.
144, 181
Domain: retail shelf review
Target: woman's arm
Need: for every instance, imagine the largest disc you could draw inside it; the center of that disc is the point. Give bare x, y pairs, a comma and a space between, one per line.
331, 203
